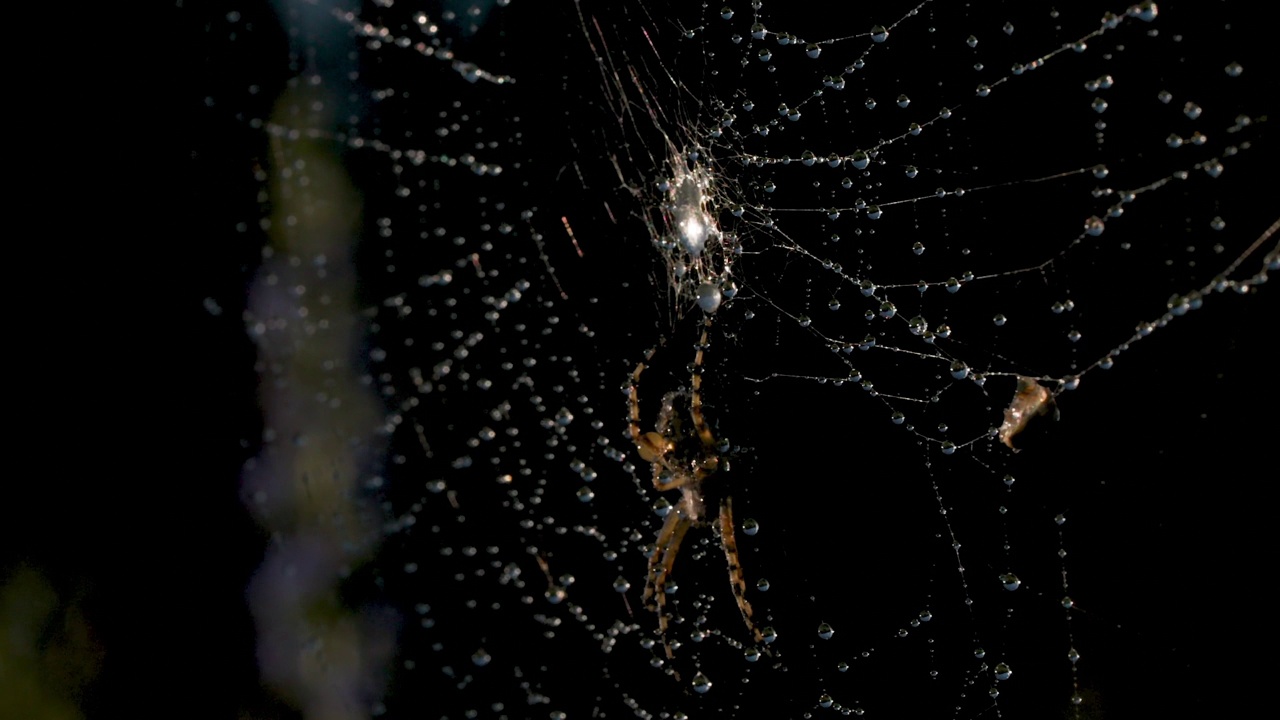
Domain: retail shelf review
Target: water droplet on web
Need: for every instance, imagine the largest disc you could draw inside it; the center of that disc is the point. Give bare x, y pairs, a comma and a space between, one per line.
879, 34
709, 297
825, 631
762, 585
1010, 581
750, 526
1073, 656
1145, 10
1002, 671
701, 683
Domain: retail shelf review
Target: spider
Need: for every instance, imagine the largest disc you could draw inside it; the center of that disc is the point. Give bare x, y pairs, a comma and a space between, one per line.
688, 460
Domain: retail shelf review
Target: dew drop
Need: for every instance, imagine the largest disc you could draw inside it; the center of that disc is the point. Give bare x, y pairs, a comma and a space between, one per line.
709, 297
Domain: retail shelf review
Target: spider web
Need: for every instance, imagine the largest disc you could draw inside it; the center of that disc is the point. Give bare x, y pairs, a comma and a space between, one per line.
1096, 218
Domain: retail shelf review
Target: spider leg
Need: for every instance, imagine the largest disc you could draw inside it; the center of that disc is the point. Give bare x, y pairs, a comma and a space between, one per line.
695, 401
651, 446
655, 582
736, 579
660, 566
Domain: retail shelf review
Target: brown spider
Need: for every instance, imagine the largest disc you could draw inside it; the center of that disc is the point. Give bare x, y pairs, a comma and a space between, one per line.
686, 461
